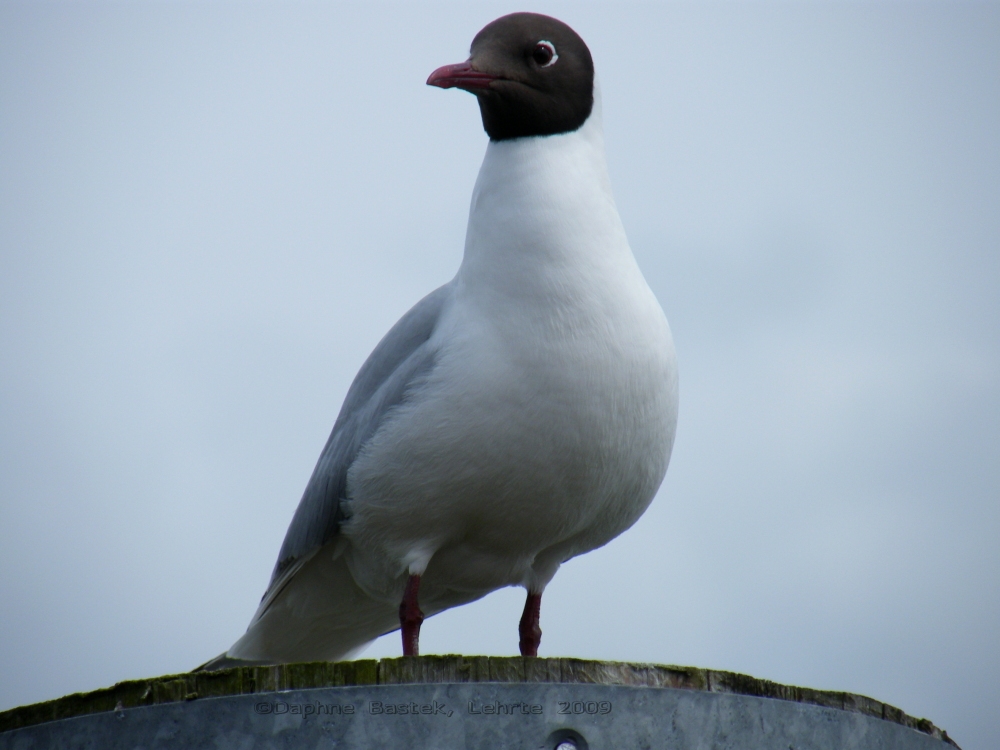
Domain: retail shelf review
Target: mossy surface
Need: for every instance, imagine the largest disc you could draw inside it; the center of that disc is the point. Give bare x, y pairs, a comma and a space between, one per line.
439, 669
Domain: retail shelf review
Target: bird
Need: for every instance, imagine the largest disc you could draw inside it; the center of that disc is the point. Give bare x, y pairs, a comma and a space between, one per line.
518, 416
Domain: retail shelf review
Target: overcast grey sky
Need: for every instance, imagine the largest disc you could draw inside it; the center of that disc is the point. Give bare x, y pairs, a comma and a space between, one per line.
210, 213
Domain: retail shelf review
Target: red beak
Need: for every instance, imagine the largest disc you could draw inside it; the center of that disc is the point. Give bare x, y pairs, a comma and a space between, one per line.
461, 76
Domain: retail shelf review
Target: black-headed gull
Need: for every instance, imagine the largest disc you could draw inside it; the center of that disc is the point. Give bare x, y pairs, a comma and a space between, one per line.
518, 416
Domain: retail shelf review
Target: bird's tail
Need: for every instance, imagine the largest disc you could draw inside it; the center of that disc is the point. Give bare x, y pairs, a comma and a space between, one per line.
223, 661
318, 614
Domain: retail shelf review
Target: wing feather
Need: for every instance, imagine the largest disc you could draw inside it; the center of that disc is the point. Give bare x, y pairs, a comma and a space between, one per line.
402, 357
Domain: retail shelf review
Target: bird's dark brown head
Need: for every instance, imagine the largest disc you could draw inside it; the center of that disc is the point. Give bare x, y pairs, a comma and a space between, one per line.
533, 76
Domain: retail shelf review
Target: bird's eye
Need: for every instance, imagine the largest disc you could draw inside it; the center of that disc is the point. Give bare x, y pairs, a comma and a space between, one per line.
545, 54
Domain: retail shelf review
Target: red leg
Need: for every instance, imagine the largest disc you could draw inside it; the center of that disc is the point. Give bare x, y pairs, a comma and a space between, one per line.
410, 617
529, 630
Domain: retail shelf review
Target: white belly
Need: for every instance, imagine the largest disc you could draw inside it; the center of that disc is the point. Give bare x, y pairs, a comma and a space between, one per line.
534, 439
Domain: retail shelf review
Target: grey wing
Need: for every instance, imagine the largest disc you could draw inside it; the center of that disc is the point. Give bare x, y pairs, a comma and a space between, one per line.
401, 357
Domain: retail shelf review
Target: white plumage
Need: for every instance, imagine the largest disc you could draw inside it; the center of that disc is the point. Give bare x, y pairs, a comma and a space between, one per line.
520, 415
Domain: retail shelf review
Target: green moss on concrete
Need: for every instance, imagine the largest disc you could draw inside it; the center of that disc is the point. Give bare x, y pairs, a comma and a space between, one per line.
438, 669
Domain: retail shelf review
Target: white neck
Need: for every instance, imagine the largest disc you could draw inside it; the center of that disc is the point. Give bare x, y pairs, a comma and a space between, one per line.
543, 206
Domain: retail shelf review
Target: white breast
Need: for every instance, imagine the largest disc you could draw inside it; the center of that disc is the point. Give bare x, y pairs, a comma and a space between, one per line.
546, 424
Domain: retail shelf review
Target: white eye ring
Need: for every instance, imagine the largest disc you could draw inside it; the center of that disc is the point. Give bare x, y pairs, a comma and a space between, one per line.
551, 48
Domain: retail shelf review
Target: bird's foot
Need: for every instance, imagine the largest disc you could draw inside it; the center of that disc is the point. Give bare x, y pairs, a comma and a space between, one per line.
410, 617
529, 629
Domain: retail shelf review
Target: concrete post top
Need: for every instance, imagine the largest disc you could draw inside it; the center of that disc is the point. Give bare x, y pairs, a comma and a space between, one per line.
436, 670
